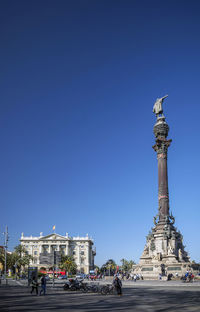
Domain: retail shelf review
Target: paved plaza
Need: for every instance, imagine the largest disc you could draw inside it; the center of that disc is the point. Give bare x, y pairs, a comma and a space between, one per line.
140, 296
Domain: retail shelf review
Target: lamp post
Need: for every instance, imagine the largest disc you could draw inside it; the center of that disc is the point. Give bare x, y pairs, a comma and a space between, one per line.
5, 249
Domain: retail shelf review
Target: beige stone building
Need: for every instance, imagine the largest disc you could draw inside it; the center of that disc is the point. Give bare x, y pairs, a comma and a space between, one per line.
42, 249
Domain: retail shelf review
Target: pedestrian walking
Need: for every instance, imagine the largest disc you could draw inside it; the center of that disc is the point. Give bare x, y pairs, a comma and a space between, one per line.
34, 286
118, 285
43, 285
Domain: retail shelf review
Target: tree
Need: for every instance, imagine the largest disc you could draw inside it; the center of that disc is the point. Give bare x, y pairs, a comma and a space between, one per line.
16, 259
126, 265
109, 267
97, 269
10, 261
20, 257
68, 264
43, 269
2, 257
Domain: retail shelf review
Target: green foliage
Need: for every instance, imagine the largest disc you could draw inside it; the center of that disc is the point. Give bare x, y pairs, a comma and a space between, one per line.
126, 265
10, 259
40, 274
109, 267
21, 256
68, 264
17, 258
97, 269
2, 256
43, 269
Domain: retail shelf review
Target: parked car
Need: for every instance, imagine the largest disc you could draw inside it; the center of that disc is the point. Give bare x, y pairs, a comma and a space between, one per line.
61, 277
80, 276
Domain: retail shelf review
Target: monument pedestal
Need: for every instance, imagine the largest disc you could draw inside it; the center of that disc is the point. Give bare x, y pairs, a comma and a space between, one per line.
163, 253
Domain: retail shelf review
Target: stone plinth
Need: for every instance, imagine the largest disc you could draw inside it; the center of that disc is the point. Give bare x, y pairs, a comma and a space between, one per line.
164, 251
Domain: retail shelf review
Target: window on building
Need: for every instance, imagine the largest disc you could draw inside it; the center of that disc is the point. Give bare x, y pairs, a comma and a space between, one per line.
74, 252
53, 247
82, 253
45, 249
35, 253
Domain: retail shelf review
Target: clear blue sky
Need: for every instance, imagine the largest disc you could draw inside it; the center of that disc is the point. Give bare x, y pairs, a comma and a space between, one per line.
78, 81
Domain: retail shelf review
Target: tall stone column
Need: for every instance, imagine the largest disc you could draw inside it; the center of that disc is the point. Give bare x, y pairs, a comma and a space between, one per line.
67, 253
161, 129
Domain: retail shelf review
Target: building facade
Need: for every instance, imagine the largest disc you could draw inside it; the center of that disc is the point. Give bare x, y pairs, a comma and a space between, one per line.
43, 249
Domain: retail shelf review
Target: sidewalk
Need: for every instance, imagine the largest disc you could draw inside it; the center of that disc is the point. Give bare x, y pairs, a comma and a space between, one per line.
126, 283
159, 283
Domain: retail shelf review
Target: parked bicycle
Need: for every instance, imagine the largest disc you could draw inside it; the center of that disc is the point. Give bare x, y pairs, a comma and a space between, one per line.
108, 289
96, 288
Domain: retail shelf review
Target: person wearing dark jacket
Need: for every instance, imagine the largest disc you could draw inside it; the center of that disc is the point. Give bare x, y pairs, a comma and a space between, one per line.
34, 285
118, 285
43, 285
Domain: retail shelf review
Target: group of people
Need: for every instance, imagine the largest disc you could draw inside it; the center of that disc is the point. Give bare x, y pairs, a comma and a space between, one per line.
117, 284
35, 284
188, 277
131, 276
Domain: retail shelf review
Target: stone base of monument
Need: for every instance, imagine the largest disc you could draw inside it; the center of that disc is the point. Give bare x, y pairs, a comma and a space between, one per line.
164, 252
153, 272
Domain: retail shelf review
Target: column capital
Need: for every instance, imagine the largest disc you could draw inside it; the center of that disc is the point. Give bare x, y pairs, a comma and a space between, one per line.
161, 145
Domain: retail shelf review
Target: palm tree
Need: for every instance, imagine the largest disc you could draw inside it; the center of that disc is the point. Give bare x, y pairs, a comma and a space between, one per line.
20, 257
110, 266
68, 264
131, 263
127, 265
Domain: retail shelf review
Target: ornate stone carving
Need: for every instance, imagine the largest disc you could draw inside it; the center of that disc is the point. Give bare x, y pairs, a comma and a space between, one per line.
170, 250
172, 219
146, 251
166, 219
173, 234
152, 245
180, 255
155, 219
161, 147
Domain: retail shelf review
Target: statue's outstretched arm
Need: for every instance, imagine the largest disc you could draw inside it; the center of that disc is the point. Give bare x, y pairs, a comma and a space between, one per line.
164, 97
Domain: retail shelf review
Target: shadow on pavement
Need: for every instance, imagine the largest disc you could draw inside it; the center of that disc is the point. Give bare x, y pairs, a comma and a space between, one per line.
133, 299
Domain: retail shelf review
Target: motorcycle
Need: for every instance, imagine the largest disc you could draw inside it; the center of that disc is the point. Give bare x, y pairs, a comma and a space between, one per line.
74, 285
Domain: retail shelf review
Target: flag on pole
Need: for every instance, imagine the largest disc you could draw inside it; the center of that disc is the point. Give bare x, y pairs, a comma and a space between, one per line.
54, 227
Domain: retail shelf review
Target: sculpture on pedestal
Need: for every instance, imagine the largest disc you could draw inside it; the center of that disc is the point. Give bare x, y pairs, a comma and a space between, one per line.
157, 108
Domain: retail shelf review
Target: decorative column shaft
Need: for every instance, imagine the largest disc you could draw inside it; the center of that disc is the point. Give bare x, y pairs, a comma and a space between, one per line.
161, 129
